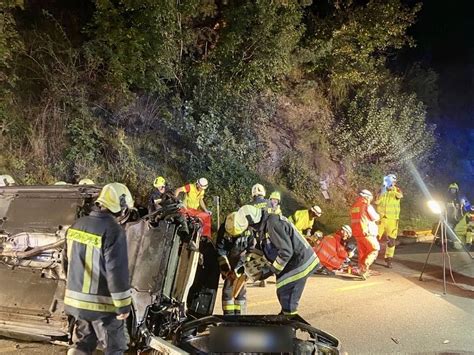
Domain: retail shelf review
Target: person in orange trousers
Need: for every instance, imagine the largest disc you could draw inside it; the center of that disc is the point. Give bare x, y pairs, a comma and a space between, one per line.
194, 203
365, 230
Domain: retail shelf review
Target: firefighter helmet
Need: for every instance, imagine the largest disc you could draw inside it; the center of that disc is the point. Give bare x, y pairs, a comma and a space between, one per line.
115, 197
258, 190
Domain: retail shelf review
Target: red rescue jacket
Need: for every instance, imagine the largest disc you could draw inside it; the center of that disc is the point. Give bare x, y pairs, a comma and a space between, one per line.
331, 251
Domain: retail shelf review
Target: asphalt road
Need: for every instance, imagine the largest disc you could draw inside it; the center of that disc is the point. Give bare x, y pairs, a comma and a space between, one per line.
387, 314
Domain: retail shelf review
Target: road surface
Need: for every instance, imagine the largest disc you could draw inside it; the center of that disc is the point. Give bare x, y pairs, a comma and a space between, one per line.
387, 314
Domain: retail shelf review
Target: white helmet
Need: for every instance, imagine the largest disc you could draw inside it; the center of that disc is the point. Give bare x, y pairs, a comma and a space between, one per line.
366, 194
317, 210
202, 183
258, 190
6, 180
347, 229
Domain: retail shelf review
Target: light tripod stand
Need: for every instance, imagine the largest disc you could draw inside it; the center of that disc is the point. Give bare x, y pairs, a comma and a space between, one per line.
442, 228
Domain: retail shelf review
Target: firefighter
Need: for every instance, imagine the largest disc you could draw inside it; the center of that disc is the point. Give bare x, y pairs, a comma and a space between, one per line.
453, 204
194, 203
333, 251
98, 293
233, 243
258, 196
291, 256
465, 228
364, 229
275, 203
160, 196
304, 219
388, 207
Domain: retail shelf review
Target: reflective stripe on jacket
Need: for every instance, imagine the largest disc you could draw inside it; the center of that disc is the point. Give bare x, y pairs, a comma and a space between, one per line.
193, 196
260, 202
302, 220
331, 252
97, 279
295, 258
359, 217
388, 203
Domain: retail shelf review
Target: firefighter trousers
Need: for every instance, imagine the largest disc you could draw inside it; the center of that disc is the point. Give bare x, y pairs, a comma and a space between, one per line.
389, 228
289, 296
231, 305
109, 333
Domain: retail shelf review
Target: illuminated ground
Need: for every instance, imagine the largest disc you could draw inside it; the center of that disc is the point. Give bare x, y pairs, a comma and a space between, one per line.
390, 313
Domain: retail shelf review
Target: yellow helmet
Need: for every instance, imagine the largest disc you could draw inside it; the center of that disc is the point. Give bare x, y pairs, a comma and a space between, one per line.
236, 224
115, 197
61, 183
453, 186
86, 182
159, 182
275, 195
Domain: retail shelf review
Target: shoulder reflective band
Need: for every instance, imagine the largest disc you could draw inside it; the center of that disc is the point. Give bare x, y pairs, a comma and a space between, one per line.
82, 237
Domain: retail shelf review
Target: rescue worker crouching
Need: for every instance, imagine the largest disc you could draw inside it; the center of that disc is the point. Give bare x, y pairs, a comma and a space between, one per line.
233, 243
194, 203
465, 228
333, 251
304, 219
98, 293
292, 257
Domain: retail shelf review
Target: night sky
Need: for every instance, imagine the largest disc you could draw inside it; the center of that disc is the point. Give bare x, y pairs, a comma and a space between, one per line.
444, 34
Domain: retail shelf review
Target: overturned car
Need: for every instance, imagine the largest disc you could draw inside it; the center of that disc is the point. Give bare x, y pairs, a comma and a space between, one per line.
173, 273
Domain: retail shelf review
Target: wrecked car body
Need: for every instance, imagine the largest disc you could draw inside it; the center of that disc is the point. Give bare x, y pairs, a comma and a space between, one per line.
173, 273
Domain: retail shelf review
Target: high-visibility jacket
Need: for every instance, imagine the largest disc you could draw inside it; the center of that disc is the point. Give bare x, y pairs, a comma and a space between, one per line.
260, 202
331, 252
302, 220
295, 259
388, 203
363, 217
193, 196
231, 250
465, 225
97, 268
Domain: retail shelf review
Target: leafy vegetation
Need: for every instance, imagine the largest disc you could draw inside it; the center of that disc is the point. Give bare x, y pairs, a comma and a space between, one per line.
285, 92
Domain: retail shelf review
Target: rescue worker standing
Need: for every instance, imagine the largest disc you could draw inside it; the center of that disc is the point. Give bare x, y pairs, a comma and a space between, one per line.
258, 196
388, 207
292, 257
304, 219
233, 243
453, 204
275, 203
194, 203
364, 229
98, 293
